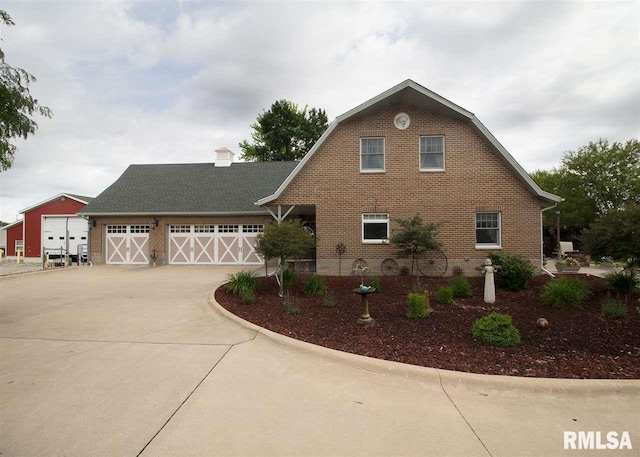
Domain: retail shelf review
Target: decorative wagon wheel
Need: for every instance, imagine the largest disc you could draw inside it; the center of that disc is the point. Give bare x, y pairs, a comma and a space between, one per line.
359, 265
432, 263
389, 267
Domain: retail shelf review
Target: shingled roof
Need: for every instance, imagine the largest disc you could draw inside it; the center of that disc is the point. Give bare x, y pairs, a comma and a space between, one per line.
199, 188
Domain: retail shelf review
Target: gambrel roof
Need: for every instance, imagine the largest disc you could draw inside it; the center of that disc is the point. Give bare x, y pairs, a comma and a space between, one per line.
412, 94
182, 189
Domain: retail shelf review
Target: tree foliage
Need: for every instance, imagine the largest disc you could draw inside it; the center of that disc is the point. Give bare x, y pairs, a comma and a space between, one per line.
285, 132
413, 238
616, 234
597, 178
283, 241
17, 105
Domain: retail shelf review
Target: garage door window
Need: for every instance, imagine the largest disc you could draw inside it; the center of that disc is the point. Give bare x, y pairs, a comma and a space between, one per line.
253, 228
204, 228
228, 228
117, 229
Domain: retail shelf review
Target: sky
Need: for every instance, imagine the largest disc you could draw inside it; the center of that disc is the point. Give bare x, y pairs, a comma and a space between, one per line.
149, 81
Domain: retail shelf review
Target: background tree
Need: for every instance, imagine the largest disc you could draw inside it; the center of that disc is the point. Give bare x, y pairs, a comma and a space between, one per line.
414, 238
593, 180
17, 106
283, 241
284, 133
616, 234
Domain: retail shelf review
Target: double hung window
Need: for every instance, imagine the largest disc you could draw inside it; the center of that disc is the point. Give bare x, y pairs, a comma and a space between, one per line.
371, 154
488, 230
431, 153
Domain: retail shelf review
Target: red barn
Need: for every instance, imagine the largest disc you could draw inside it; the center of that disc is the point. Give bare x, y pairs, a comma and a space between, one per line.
14, 237
53, 224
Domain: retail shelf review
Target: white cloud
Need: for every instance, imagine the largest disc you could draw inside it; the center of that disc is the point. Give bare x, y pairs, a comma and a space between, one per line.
158, 82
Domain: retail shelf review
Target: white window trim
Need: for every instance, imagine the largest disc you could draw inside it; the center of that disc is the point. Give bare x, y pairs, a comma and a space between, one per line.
487, 245
384, 154
444, 163
382, 241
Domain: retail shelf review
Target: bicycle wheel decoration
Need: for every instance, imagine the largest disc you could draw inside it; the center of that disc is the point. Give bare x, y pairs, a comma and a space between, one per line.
432, 263
389, 267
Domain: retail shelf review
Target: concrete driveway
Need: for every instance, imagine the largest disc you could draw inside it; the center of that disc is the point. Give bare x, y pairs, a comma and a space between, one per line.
121, 361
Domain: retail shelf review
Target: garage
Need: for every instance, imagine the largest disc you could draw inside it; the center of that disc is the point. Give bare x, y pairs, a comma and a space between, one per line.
214, 244
127, 244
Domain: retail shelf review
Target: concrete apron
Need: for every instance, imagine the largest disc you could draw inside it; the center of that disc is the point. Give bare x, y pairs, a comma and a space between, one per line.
132, 361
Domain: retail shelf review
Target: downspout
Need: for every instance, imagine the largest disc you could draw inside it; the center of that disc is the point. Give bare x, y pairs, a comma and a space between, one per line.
542, 240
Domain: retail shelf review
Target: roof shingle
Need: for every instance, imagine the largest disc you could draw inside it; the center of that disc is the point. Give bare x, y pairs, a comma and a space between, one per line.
199, 188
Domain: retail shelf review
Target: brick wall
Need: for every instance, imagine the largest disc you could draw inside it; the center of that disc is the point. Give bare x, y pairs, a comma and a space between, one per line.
475, 179
158, 237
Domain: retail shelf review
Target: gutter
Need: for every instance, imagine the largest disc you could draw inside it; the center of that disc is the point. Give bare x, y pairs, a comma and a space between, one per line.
551, 275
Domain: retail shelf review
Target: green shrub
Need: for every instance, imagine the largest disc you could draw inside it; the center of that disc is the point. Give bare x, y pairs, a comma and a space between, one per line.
328, 302
289, 277
417, 305
417, 288
623, 282
374, 282
444, 295
241, 282
515, 271
496, 330
613, 309
461, 287
290, 306
565, 293
248, 297
314, 286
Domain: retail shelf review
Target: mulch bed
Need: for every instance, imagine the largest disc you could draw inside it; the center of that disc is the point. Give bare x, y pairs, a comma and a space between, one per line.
577, 344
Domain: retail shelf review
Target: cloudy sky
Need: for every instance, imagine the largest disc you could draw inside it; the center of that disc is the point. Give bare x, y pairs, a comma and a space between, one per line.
170, 81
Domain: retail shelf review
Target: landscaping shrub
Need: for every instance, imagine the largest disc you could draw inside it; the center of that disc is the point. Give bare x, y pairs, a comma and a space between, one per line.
417, 306
613, 309
241, 282
329, 302
417, 288
314, 286
515, 271
444, 295
461, 287
290, 306
289, 277
496, 330
248, 297
374, 282
623, 282
565, 293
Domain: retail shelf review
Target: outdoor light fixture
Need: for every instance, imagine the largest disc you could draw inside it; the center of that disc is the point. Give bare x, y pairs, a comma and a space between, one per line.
92, 221
154, 222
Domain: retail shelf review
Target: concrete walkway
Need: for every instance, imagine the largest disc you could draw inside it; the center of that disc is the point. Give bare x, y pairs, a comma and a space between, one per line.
122, 361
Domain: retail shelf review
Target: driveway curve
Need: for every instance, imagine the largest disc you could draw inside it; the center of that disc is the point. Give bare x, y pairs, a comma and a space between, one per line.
124, 361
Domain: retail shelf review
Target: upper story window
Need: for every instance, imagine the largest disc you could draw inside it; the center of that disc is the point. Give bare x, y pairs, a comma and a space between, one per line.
375, 228
431, 153
488, 230
371, 154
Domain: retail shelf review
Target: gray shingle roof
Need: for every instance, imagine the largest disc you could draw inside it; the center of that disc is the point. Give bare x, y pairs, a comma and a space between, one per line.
190, 188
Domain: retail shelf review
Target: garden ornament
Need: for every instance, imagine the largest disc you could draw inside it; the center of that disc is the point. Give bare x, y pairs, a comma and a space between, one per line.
489, 283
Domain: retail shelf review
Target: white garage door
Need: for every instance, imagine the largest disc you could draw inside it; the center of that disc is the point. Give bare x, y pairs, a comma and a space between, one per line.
127, 244
65, 232
209, 244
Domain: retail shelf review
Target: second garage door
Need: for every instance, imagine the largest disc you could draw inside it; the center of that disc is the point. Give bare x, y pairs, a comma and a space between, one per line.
214, 244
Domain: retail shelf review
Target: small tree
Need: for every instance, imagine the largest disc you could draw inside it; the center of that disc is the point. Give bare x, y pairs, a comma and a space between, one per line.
413, 238
284, 241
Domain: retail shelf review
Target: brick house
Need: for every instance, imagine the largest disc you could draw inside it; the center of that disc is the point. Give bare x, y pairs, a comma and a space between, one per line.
406, 151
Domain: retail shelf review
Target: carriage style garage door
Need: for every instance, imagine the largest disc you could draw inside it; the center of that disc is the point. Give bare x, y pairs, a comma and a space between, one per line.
127, 244
223, 244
